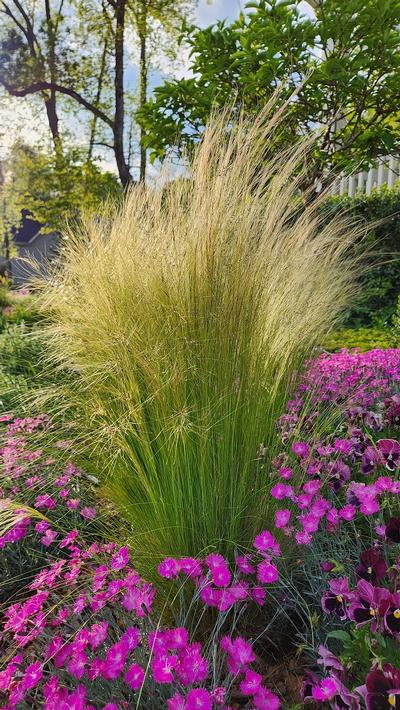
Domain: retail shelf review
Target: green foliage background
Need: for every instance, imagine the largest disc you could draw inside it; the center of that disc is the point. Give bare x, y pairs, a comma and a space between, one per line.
380, 282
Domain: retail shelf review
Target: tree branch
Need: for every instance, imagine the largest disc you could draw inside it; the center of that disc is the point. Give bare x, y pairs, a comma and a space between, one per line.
51, 86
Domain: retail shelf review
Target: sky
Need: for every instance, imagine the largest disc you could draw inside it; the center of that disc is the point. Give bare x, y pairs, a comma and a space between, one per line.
17, 118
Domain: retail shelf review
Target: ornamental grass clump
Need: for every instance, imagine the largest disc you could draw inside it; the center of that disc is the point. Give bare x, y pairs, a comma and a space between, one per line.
181, 320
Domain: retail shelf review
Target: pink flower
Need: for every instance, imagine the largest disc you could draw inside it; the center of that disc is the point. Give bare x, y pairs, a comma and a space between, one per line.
115, 660
220, 573
134, 676
251, 683
303, 538
178, 638
192, 668
259, 595
169, 568
285, 473
244, 564
177, 702
73, 503
347, 512
120, 559
281, 491
265, 700
33, 674
198, 699
369, 506
88, 513
98, 634
326, 690
240, 653
45, 501
131, 637
265, 542
68, 539
76, 666
301, 449
282, 518
190, 566
163, 667
48, 538
267, 573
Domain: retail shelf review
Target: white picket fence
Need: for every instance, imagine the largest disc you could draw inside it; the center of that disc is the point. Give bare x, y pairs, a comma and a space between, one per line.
386, 172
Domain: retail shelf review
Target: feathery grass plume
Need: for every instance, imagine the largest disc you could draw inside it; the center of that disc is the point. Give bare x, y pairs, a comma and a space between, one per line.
181, 319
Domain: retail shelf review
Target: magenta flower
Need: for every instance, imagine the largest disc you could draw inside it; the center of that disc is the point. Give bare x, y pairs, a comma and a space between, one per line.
115, 660
163, 667
265, 542
134, 676
265, 700
243, 563
251, 683
219, 569
32, 675
348, 512
267, 573
192, 668
178, 638
198, 699
190, 566
368, 604
286, 473
281, 491
301, 449
282, 518
169, 568
88, 513
120, 559
325, 690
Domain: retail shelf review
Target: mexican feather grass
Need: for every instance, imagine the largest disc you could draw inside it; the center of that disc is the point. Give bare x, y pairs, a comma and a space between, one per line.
181, 320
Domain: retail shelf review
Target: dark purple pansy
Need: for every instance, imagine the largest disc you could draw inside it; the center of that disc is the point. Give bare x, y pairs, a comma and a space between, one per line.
383, 689
368, 604
393, 410
334, 601
309, 681
392, 530
390, 451
370, 460
392, 615
372, 566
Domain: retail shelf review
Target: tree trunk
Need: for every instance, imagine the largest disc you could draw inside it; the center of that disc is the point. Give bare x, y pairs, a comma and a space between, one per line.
119, 117
51, 100
143, 89
98, 97
52, 118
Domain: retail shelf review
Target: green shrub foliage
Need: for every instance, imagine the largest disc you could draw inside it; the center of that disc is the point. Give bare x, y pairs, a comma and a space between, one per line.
380, 281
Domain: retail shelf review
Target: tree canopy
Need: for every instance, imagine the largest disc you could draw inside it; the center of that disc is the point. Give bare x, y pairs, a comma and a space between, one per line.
341, 68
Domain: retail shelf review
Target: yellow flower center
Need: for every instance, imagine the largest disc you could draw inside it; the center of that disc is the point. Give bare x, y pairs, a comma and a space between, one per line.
372, 611
392, 700
396, 614
339, 598
369, 570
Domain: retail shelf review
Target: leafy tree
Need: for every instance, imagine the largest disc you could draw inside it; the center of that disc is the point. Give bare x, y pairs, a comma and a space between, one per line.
76, 51
53, 188
149, 16
344, 66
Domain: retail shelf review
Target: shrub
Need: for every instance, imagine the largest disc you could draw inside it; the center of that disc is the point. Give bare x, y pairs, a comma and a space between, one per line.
184, 318
376, 302
362, 338
17, 307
